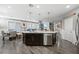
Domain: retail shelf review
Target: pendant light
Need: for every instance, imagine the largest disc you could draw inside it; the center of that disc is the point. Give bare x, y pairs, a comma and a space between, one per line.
30, 13
31, 5
48, 15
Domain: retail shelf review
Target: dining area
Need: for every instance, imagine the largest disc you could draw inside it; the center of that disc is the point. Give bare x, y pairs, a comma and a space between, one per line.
10, 36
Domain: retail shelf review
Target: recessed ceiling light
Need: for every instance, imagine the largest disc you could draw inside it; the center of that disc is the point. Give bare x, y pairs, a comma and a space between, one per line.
37, 6
9, 6
68, 6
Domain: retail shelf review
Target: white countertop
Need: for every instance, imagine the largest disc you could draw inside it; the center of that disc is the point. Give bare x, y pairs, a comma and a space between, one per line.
40, 32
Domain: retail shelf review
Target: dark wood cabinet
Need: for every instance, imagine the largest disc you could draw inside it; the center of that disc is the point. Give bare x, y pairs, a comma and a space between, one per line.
38, 39
54, 38
35, 39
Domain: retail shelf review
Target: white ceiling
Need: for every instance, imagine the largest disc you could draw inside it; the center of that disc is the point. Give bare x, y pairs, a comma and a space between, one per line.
21, 11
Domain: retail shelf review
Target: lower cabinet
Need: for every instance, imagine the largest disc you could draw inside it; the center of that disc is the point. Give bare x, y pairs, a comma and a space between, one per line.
33, 39
39, 39
54, 38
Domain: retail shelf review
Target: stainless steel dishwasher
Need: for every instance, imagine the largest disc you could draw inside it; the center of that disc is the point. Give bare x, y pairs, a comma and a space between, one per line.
47, 39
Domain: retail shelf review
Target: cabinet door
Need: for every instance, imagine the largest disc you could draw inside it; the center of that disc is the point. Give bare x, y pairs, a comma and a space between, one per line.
28, 39
37, 39
33, 39
53, 38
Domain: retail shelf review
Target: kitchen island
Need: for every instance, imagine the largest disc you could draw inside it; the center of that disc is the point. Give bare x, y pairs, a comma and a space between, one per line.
39, 38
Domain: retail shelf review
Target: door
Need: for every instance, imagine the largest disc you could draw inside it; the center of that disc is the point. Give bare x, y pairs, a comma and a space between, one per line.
68, 30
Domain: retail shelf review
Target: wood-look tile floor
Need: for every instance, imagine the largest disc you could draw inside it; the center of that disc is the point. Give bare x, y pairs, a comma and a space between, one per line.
17, 47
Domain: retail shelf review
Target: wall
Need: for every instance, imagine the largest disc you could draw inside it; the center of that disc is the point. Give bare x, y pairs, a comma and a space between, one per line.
68, 24
69, 29
3, 25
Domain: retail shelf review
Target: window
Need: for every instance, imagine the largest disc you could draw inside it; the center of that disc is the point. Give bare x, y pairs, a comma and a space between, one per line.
32, 26
11, 26
46, 25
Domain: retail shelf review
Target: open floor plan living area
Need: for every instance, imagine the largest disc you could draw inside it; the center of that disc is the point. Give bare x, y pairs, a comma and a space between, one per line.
39, 28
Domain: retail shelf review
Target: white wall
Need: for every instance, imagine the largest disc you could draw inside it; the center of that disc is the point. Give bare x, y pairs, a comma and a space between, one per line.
69, 29
68, 24
3, 25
